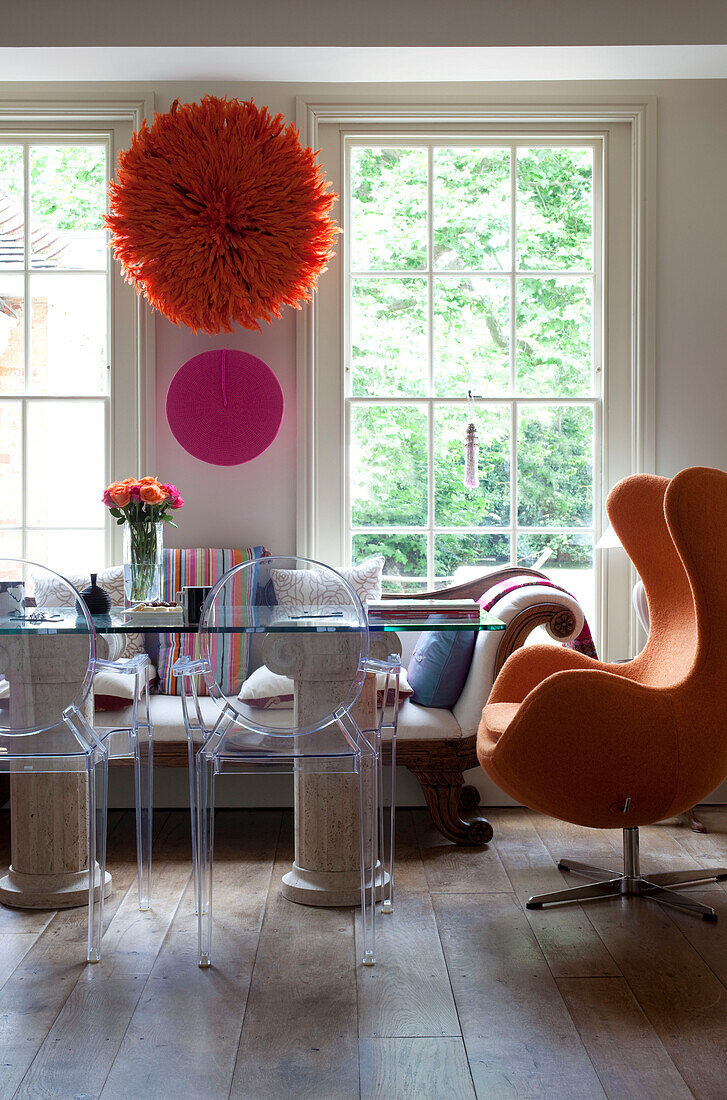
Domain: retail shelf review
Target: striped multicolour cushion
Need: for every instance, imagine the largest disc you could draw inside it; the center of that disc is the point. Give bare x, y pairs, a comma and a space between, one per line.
228, 653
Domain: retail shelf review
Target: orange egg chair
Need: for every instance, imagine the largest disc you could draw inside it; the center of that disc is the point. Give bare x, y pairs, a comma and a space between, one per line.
619, 746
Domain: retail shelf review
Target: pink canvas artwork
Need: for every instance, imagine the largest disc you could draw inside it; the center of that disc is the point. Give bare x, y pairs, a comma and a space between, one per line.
225, 407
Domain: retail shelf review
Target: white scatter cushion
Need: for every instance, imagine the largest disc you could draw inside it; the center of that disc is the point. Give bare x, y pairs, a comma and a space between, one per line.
114, 690
51, 593
301, 588
115, 684
266, 690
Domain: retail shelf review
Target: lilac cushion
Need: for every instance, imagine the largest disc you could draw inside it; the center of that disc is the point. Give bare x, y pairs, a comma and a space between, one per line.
439, 665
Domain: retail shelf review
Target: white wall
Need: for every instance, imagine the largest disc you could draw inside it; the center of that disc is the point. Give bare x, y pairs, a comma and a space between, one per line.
691, 276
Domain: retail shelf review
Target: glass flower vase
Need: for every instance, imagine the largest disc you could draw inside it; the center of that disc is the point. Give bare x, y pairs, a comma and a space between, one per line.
143, 554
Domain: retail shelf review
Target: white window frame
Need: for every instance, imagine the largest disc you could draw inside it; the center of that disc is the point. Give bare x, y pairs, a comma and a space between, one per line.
512, 400
130, 403
626, 128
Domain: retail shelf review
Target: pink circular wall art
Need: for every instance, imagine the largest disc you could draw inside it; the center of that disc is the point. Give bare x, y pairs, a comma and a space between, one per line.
225, 407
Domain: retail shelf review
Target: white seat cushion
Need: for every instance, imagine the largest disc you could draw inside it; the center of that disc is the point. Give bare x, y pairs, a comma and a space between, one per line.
415, 722
418, 723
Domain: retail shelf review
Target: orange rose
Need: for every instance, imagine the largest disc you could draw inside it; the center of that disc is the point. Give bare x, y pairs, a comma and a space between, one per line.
119, 493
148, 480
152, 494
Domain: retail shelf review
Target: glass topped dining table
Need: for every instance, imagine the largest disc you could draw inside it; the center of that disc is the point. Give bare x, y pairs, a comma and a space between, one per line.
48, 631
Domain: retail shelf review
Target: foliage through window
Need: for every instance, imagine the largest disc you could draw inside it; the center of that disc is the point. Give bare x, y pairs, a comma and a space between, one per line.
54, 350
473, 267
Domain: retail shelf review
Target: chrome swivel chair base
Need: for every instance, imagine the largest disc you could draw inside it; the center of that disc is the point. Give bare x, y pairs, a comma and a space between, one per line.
630, 882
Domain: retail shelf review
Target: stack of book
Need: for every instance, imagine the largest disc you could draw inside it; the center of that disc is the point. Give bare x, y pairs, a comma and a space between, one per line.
442, 610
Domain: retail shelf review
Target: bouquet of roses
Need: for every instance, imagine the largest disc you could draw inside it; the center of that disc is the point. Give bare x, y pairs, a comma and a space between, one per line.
144, 501
141, 507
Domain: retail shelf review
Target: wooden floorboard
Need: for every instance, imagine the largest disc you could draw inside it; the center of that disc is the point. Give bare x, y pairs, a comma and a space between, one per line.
680, 995
183, 1036
472, 995
566, 937
450, 868
626, 1052
36, 993
520, 1038
408, 992
415, 1069
299, 1036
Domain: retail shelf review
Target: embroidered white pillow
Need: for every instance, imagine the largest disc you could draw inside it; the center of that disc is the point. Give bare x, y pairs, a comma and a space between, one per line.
304, 588
266, 690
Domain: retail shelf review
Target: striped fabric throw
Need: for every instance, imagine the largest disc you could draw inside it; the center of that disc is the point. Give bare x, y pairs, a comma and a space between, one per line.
488, 600
229, 654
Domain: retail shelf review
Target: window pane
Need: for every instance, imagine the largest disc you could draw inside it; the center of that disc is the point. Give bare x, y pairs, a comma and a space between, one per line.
12, 246
471, 336
555, 466
68, 201
11, 546
569, 564
68, 551
468, 556
405, 559
388, 466
455, 505
68, 333
471, 215
389, 337
388, 209
11, 464
65, 463
554, 344
12, 334
555, 209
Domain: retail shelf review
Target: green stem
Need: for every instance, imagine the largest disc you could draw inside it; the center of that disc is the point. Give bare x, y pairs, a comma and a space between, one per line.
143, 563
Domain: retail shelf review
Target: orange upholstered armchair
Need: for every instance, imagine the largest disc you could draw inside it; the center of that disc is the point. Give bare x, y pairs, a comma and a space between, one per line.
618, 746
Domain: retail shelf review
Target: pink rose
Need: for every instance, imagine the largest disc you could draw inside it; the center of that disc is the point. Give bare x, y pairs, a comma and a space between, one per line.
174, 497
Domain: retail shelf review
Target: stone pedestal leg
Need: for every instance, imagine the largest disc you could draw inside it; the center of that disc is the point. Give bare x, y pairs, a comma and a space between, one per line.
326, 869
48, 810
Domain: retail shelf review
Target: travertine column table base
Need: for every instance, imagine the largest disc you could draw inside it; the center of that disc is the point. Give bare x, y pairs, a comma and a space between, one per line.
48, 810
326, 870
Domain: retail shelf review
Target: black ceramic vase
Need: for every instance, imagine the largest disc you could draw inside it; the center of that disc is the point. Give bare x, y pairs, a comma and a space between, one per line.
96, 599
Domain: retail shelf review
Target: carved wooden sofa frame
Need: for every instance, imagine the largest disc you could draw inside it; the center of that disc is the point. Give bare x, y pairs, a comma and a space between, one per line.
439, 765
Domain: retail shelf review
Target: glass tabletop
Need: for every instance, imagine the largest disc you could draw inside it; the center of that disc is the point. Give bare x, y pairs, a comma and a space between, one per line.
252, 620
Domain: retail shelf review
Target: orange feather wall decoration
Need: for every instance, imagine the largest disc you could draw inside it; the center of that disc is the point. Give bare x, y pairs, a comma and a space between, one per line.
219, 215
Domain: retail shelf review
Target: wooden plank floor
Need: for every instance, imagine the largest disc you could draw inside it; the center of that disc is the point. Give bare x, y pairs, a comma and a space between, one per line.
472, 995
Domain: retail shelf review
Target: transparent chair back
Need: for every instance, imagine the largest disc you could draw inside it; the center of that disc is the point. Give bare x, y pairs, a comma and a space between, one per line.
302, 621
47, 657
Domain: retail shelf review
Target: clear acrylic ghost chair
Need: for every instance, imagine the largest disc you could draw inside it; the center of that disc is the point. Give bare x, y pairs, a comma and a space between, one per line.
388, 718
127, 742
315, 629
47, 658
135, 741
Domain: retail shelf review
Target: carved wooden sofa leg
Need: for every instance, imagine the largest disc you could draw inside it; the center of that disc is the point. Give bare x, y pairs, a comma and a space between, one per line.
448, 800
438, 766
